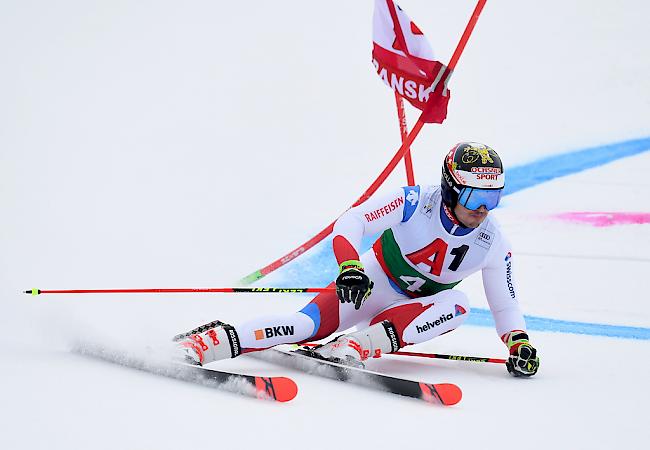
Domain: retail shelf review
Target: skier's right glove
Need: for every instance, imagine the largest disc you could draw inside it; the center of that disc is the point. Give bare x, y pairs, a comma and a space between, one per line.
352, 285
523, 360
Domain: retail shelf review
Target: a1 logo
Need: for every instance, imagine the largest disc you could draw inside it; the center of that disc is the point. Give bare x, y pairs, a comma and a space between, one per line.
433, 255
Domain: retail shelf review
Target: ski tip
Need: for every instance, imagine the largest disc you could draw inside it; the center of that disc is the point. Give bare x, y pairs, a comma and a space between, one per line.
280, 389
446, 393
286, 389
33, 291
449, 393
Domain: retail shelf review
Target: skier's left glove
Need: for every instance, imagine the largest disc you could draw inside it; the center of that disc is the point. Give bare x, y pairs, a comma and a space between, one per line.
523, 360
352, 285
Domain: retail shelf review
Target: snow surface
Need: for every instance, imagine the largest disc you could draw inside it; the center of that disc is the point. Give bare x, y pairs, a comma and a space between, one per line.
176, 144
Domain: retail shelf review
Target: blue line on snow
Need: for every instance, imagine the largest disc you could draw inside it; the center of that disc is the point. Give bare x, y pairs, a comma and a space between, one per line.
317, 267
483, 317
546, 169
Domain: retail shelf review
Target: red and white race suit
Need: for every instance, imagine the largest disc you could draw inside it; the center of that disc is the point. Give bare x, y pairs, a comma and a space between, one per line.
415, 264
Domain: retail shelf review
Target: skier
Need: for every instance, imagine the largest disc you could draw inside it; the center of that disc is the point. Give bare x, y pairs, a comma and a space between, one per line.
401, 291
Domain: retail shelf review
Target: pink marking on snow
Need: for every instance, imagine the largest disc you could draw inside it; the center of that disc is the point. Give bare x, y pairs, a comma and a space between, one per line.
605, 219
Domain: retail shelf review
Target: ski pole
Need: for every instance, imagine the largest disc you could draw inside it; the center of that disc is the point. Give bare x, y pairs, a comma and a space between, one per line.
231, 290
452, 357
436, 355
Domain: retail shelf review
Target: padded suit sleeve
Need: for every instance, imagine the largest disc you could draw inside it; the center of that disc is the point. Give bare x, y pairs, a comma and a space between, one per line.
372, 216
500, 289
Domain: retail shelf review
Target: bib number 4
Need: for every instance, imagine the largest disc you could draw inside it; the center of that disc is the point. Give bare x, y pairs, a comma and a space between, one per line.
415, 283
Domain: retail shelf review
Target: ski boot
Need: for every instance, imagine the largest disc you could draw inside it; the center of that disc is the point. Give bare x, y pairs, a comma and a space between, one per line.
210, 342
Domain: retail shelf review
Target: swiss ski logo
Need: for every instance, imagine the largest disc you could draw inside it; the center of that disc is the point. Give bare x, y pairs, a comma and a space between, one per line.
269, 332
412, 197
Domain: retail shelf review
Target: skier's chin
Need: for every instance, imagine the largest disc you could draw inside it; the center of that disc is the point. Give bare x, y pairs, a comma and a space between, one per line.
471, 218
475, 223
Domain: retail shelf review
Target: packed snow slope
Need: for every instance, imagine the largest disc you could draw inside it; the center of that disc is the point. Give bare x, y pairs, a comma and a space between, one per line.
167, 144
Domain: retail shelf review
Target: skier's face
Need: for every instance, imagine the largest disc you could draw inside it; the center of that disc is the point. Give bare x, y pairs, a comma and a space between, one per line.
471, 218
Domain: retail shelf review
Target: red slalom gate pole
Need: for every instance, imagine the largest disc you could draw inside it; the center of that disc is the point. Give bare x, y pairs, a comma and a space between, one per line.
327, 230
452, 357
384, 174
403, 129
231, 290
466, 34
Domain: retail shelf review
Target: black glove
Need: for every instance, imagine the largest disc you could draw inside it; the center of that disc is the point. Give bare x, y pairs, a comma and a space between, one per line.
353, 286
523, 360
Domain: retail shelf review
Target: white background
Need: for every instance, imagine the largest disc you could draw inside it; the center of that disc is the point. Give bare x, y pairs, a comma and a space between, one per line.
178, 144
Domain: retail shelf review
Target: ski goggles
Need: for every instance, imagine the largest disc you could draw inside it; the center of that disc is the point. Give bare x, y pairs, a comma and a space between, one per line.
474, 198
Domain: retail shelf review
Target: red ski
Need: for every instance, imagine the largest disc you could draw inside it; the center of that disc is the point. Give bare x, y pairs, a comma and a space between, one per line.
440, 393
280, 389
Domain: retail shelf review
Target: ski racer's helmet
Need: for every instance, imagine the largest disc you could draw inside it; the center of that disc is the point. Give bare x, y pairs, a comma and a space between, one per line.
472, 175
